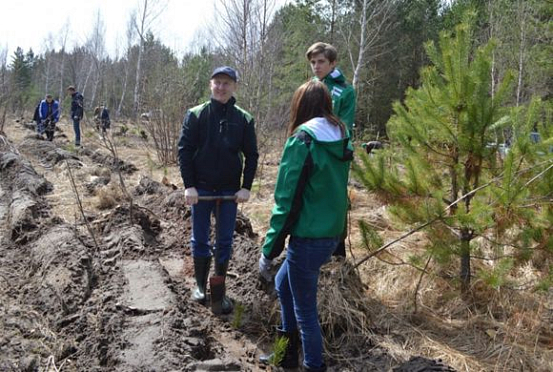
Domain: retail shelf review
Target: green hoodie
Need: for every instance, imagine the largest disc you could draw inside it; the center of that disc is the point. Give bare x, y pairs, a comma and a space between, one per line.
343, 97
311, 190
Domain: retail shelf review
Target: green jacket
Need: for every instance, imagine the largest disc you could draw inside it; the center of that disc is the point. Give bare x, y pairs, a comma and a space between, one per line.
343, 97
311, 191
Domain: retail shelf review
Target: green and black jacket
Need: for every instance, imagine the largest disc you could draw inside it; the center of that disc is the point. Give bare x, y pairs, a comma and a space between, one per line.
217, 145
311, 190
343, 97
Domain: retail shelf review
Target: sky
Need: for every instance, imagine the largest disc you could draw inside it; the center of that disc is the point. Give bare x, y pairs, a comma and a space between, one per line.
28, 23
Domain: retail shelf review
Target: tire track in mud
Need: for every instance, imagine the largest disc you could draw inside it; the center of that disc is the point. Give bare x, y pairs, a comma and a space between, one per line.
122, 307
146, 297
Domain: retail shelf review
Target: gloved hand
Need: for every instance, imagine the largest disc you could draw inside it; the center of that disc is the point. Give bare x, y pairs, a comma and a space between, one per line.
242, 195
264, 266
191, 195
76, 118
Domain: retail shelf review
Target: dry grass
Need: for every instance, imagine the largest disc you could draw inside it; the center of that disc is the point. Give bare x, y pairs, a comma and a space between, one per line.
343, 310
108, 197
513, 333
494, 330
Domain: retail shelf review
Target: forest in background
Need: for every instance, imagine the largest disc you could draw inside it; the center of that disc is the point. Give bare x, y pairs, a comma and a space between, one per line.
380, 44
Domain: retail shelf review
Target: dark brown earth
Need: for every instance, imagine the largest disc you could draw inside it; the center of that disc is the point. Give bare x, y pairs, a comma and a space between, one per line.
110, 290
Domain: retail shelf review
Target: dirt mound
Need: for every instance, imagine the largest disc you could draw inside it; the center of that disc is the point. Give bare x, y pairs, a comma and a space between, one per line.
20, 191
103, 157
46, 270
49, 153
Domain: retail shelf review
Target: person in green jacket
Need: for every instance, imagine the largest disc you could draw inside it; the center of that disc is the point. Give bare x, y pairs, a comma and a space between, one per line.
310, 206
323, 59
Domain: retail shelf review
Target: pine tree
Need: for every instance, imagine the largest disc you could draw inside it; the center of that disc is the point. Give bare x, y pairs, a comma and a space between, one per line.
450, 176
22, 74
295, 27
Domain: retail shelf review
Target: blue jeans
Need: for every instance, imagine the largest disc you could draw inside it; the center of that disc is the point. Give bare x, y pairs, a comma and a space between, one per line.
296, 285
77, 129
201, 224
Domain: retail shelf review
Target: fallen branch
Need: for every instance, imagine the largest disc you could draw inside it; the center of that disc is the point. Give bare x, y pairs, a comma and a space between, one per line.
420, 281
51, 365
81, 209
108, 143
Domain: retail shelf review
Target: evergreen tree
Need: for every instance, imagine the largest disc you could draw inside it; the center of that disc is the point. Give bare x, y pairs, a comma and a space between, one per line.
22, 78
296, 27
450, 177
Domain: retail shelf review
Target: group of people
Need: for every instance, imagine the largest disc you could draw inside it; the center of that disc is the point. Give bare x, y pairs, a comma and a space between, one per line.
218, 158
47, 114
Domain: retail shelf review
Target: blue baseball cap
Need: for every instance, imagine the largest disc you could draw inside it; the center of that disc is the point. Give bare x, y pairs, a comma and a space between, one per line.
225, 70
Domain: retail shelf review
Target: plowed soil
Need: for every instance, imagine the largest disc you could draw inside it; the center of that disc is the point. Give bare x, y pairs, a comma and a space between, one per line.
92, 282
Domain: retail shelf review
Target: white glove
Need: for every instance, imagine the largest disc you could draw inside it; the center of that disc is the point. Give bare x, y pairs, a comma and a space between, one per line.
242, 195
191, 195
264, 266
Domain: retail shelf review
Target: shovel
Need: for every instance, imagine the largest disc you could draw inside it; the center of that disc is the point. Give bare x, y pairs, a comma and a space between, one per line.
217, 282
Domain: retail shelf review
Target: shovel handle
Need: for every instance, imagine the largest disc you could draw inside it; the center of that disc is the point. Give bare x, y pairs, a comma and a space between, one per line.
216, 197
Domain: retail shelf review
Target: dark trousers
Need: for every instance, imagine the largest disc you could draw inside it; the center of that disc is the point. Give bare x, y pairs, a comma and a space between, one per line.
77, 129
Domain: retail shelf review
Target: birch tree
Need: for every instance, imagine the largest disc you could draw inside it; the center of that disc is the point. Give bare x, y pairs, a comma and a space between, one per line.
62, 39
373, 19
241, 33
48, 60
515, 26
143, 20
97, 51
126, 63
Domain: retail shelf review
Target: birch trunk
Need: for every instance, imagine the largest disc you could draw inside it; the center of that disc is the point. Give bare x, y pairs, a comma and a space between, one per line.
136, 96
362, 43
118, 112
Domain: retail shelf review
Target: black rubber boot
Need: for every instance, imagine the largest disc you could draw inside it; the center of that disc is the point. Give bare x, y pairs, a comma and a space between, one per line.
226, 303
291, 355
201, 272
